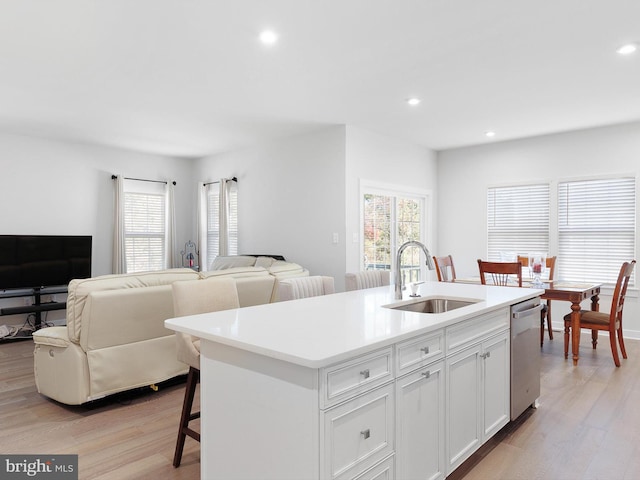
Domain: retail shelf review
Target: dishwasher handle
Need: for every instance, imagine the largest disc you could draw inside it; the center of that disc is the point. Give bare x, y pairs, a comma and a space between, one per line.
529, 311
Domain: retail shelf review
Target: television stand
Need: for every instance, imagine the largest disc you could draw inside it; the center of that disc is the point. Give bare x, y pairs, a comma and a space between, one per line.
37, 307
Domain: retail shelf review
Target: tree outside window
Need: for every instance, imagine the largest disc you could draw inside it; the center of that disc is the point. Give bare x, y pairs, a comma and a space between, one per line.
389, 221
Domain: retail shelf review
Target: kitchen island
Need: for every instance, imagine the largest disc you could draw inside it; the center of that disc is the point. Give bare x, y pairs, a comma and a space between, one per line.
341, 386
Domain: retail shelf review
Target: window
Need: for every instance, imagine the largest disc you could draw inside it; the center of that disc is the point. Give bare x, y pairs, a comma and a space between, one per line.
596, 228
221, 223
144, 227
517, 220
389, 220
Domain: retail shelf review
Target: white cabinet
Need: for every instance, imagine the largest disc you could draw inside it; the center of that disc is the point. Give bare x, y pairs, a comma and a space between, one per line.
420, 424
361, 374
477, 379
358, 433
463, 405
382, 471
414, 409
496, 391
357, 405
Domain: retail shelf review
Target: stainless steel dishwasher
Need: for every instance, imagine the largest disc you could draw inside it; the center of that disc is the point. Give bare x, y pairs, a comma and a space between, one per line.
525, 355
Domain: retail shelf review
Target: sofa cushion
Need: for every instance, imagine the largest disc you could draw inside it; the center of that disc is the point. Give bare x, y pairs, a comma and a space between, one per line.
79, 289
283, 269
264, 262
52, 336
236, 272
232, 261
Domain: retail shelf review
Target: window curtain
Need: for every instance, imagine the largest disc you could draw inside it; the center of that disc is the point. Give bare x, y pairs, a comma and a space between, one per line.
217, 220
170, 230
119, 264
223, 223
201, 227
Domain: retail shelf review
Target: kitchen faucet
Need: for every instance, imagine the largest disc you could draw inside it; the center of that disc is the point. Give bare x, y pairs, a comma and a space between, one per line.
398, 279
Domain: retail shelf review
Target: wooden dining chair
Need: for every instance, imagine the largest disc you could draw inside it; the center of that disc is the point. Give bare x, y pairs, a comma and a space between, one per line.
445, 269
501, 273
546, 311
609, 322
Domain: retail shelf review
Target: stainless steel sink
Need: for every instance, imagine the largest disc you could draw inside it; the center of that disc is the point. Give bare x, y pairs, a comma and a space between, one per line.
432, 305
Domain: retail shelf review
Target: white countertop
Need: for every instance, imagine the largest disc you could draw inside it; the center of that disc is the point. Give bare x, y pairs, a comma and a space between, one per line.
319, 331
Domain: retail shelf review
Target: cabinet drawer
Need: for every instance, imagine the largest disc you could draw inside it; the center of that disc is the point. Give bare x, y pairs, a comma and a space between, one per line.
417, 352
359, 433
345, 380
467, 333
382, 471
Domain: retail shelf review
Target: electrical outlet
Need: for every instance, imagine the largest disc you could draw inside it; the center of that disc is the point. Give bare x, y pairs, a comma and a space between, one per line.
4, 331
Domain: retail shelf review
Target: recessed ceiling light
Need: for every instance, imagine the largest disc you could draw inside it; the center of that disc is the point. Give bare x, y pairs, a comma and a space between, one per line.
413, 101
490, 134
268, 37
627, 49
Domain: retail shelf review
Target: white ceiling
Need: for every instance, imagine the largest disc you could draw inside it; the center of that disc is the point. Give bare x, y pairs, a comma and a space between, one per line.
189, 77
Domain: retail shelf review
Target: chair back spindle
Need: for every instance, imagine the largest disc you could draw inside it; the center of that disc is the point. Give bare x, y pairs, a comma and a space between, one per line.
500, 273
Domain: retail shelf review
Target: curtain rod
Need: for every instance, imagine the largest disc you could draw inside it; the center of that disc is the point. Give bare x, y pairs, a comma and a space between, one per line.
233, 179
113, 177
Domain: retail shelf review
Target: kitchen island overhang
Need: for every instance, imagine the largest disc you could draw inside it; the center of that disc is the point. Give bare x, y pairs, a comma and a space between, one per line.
319, 331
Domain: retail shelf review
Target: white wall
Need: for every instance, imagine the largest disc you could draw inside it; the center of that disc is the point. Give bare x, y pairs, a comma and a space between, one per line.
464, 175
378, 158
290, 198
62, 188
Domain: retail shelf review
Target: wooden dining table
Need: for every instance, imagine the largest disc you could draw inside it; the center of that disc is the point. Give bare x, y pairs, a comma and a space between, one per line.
573, 292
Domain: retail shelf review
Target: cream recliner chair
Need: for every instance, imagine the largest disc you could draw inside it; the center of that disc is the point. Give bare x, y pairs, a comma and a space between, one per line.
190, 298
114, 338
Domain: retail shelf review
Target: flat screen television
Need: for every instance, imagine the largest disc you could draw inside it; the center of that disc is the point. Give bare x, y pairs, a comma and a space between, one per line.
35, 261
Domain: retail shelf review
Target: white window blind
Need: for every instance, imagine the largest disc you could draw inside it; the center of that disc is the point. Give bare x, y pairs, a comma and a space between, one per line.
233, 219
517, 220
144, 223
213, 220
596, 228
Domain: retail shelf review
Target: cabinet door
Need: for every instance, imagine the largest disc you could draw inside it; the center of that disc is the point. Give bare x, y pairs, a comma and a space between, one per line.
420, 424
496, 395
463, 405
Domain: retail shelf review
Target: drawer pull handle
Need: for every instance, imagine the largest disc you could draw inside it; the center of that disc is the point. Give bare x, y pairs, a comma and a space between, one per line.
365, 373
365, 433
426, 374
425, 350
486, 355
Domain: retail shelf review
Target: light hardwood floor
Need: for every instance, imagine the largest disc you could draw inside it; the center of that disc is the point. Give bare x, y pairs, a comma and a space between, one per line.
131, 436
586, 427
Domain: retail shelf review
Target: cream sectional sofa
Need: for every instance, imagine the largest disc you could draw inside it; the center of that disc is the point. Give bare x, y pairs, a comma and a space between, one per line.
114, 339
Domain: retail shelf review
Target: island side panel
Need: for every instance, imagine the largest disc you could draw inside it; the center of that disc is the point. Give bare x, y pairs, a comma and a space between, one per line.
260, 416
